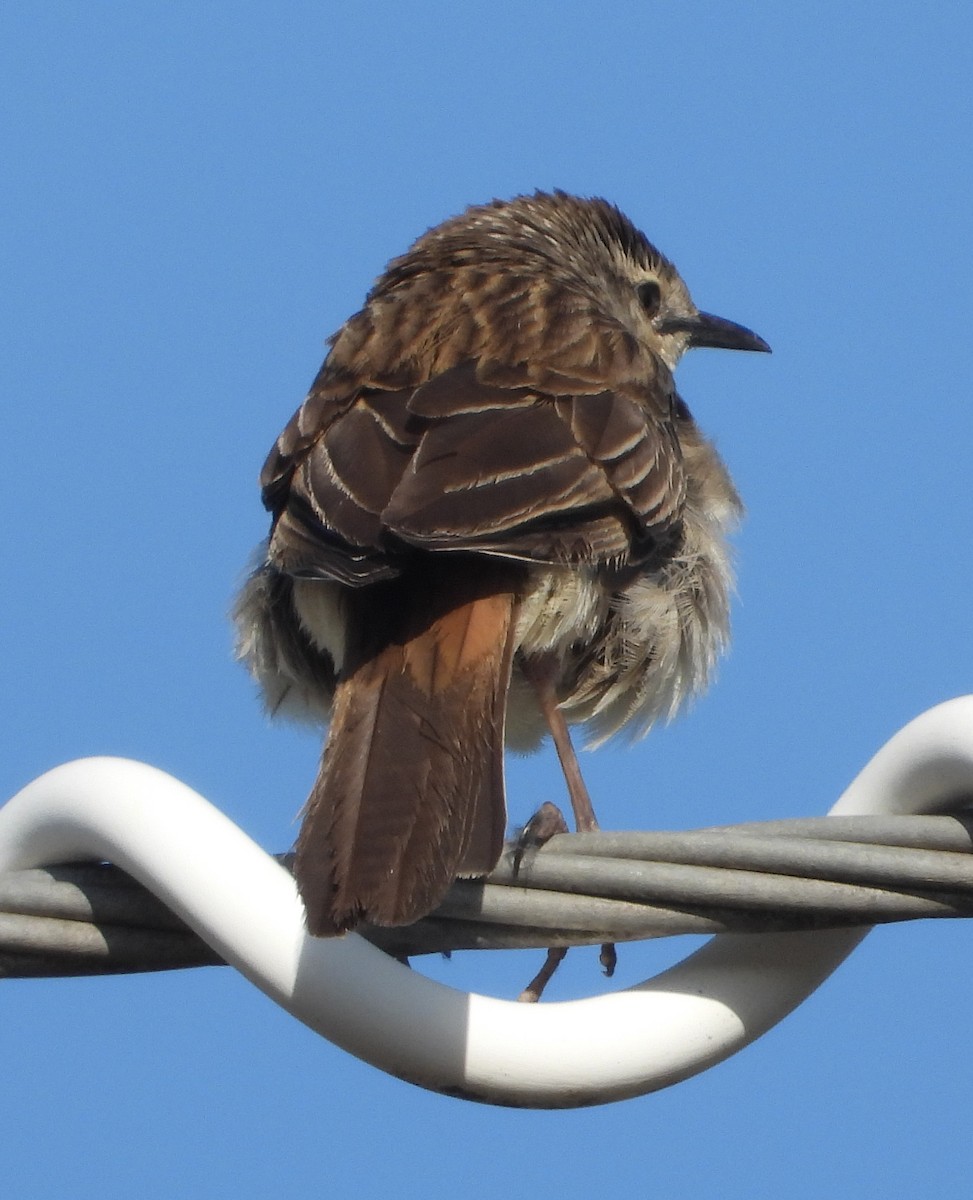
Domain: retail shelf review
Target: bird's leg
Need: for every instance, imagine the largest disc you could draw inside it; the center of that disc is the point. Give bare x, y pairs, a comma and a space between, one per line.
541, 672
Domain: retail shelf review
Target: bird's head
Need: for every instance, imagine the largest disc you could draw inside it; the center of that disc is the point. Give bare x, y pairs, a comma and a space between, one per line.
546, 278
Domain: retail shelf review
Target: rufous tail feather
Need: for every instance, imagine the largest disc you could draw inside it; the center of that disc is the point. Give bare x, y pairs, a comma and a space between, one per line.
410, 792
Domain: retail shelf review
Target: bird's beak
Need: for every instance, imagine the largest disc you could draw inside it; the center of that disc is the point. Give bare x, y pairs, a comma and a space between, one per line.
706, 330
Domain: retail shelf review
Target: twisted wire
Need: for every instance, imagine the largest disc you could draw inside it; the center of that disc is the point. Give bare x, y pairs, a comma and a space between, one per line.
579, 889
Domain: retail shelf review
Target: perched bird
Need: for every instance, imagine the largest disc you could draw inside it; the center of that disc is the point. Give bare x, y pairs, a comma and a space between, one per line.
492, 511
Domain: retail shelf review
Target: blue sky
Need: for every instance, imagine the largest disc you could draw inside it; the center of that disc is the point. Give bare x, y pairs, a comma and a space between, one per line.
194, 196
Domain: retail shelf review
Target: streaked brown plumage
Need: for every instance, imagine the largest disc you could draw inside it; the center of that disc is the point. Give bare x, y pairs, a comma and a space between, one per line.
492, 481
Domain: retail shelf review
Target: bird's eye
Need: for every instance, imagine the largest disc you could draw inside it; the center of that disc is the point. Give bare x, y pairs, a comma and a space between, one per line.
650, 296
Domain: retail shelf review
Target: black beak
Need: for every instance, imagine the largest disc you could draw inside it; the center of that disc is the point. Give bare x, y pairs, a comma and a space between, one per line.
706, 330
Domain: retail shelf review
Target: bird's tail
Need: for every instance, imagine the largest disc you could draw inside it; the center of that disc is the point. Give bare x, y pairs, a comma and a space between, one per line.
410, 791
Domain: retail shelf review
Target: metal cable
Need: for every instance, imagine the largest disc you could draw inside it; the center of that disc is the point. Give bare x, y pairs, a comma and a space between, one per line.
579, 889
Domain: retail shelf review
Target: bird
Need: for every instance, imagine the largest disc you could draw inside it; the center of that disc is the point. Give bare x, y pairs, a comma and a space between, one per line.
492, 517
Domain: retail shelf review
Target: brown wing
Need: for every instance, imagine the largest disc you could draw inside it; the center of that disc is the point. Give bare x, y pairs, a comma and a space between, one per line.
328, 480
459, 464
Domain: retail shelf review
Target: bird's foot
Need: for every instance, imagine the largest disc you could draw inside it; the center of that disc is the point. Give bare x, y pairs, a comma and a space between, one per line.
543, 825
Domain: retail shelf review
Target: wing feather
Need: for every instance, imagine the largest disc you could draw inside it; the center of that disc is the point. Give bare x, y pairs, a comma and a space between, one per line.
458, 463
